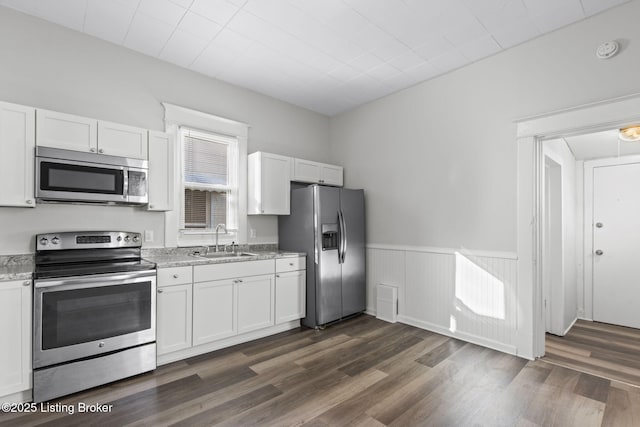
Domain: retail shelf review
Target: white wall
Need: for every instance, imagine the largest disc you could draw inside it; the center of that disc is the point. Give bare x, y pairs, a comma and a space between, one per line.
440, 164
560, 153
48, 66
439, 160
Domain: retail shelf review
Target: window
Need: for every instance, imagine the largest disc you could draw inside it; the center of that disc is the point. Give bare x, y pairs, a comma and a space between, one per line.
209, 200
210, 169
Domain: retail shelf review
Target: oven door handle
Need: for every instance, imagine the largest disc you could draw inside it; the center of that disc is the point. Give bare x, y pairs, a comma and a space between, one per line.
96, 280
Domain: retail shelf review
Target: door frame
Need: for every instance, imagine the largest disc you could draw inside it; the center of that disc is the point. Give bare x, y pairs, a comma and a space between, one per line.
589, 165
530, 132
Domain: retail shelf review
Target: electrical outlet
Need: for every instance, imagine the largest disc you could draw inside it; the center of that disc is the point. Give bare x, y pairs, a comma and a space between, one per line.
148, 235
252, 233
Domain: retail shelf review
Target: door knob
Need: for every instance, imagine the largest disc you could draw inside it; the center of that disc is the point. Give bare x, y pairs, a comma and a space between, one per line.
599, 252
599, 224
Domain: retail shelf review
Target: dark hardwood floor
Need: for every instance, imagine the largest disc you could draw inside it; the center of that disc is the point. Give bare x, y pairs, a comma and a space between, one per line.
362, 372
608, 351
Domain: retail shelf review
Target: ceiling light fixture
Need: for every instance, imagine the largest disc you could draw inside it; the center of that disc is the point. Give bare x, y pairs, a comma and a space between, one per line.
629, 134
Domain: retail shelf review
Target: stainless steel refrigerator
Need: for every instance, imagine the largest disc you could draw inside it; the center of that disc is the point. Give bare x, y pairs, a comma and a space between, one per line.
328, 224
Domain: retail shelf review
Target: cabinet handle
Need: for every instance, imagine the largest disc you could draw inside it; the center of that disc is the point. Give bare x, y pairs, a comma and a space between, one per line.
175, 276
93, 150
160, 291
150, 206
101, 151
27, 283
239, 281
29, 202
291, 264
277, 275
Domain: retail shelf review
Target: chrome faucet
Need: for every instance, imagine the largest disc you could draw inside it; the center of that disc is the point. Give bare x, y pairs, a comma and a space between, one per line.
224, 227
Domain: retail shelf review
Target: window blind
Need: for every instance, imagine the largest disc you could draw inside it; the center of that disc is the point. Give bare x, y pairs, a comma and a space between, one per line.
207, 181
205, 161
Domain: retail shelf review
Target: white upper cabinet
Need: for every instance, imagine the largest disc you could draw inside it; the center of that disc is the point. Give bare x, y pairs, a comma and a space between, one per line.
314, 172
160, 172
17, 142
331, 175
121, 140
66, 131
269, 183
70, 132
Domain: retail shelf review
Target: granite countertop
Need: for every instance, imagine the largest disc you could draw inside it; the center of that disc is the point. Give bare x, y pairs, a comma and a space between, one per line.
21, 267
182, 259
16, 267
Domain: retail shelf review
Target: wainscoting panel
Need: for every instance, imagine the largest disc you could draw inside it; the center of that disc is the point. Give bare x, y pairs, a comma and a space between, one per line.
470, 296
384, 267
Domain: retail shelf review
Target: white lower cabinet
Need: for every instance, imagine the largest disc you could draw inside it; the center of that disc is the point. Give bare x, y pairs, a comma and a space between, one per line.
15, 352
173, 319
290, 295
214, 311
203, 308
255, 302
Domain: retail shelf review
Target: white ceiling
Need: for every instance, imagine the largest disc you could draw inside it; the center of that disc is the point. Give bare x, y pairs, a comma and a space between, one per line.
600, 145
325, 55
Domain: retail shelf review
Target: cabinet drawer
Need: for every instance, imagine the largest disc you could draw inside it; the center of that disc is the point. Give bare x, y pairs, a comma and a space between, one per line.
174, 276
203, 273
290, 264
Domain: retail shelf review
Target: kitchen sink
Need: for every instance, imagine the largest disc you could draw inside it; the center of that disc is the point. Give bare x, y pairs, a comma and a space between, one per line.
216, 255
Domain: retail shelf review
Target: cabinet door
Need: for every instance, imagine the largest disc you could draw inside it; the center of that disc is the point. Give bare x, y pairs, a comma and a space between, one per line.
213, 310
331, 175
255, 302
17, 143
290, 296
269, 184
15, 351
306, 171
121, 140
66, 131
174, 307
160, 172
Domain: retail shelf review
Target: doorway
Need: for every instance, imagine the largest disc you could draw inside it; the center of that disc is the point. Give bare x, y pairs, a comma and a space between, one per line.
531, 132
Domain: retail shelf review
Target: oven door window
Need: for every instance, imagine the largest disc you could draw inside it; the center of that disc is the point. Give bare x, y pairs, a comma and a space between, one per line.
81, 179
91, 314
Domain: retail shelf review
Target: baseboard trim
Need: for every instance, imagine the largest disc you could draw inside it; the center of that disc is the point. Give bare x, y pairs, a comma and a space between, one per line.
19, 397
570, 326
474, 339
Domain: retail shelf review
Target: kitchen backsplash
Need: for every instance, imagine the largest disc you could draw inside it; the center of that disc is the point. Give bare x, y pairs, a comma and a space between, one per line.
188, 250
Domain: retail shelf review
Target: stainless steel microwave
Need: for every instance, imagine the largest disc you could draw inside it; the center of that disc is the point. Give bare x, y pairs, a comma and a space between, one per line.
75, 176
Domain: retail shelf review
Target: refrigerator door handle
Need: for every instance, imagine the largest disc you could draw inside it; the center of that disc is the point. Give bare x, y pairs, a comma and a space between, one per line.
343, 237
341, 234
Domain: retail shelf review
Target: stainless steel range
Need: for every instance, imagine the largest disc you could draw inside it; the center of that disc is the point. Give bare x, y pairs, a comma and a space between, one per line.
94, 311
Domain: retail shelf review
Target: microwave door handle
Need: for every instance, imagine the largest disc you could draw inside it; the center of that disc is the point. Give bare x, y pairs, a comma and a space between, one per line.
125, 183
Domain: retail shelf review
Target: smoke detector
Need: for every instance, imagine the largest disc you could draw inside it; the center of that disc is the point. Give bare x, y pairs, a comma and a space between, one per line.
607, 49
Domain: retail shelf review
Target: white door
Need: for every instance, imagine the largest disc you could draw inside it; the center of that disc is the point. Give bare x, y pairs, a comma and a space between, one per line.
616, 244
552, 266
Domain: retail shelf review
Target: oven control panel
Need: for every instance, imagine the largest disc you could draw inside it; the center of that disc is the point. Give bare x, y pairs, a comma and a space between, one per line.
88, 240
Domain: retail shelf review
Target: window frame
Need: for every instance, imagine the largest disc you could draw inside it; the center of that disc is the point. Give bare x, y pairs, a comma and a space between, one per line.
175, 118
